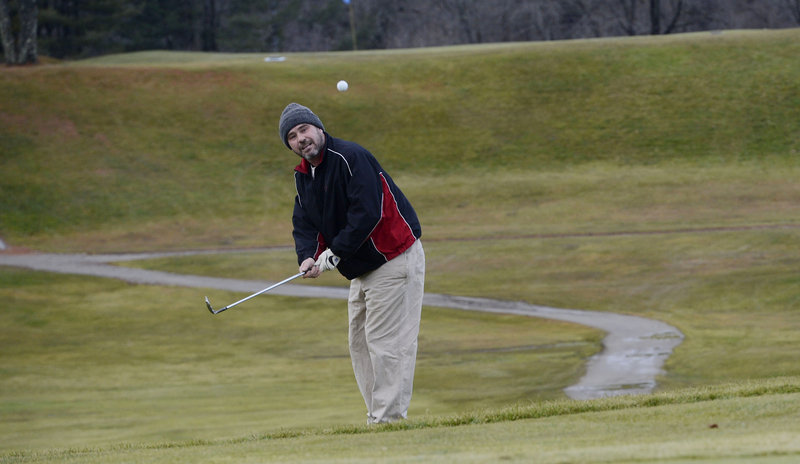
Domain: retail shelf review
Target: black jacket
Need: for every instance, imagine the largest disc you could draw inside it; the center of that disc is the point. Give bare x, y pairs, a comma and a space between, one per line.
352, 206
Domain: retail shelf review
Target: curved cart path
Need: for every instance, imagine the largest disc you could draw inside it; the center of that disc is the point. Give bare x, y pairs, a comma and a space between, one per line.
634, 349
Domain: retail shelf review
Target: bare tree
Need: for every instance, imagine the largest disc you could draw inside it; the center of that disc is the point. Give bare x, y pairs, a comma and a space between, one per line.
655, 17
794, 8
210, 26
677, 7
19, 48
630, 16
6, 36
463, 12
585, 18
627, 20
542, 16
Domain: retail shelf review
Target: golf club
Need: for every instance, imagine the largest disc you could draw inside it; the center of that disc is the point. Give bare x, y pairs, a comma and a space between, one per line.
217, 311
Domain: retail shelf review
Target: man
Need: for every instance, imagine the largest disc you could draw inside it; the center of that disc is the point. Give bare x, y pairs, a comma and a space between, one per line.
350, 215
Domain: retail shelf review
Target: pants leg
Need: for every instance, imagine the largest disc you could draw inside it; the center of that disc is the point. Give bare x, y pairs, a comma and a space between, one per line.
385, 308
359, 353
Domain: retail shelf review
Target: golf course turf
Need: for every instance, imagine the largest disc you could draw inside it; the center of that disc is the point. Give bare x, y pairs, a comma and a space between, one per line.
648, 176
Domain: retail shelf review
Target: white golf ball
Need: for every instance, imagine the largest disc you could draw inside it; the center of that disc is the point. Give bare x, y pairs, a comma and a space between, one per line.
342, 86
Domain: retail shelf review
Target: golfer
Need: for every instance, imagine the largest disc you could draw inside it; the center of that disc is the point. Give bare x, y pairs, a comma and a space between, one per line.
350, 215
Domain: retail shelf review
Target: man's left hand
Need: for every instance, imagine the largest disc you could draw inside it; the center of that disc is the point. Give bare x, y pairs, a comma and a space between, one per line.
327, 261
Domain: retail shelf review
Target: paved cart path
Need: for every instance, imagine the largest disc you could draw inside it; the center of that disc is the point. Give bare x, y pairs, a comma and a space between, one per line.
634, 348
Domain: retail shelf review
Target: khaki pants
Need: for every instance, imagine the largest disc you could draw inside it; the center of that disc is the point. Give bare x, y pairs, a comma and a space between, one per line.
384, 309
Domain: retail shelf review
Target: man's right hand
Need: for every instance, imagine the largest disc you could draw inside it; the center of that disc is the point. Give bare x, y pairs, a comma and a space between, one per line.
311, 271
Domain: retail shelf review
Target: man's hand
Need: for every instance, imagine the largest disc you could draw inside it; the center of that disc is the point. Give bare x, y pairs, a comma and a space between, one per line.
311, 271
327, 261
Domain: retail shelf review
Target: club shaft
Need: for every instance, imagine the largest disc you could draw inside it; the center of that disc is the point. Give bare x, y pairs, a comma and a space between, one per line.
262, 291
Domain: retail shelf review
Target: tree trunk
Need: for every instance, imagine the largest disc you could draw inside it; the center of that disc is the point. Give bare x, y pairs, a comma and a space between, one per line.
209, 26
28, 16
628, 21
22, 48
655, 17
794, 7
675, 16
7, 37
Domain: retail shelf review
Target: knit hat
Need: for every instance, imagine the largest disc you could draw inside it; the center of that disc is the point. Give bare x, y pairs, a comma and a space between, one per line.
293, 115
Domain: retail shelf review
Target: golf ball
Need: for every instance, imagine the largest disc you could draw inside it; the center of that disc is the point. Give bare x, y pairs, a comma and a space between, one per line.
342, 86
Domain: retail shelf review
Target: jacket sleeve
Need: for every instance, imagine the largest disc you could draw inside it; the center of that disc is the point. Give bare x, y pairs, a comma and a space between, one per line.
364, 196
308, 242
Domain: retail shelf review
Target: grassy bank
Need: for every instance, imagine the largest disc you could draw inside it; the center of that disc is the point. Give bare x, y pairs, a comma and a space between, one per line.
161, 150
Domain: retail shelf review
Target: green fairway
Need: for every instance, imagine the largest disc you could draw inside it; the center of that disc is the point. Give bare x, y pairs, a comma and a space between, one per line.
733, 293
88, 362
652, 176
736, 423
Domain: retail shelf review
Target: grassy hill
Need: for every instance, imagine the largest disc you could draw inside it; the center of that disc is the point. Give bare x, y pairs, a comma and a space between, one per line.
129, 146
649, 176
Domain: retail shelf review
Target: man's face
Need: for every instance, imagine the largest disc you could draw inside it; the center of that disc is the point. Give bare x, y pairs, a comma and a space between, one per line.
307, 141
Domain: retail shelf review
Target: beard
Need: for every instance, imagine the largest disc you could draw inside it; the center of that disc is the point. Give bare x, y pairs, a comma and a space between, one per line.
310, 152
311, 148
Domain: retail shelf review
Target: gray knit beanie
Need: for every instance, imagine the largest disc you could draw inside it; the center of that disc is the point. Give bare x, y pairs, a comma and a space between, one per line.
293, 115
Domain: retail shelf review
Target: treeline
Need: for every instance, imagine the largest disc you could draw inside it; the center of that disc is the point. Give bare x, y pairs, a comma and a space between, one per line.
83, 28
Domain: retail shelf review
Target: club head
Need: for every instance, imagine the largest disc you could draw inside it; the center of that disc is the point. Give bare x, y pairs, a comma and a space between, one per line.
208, 305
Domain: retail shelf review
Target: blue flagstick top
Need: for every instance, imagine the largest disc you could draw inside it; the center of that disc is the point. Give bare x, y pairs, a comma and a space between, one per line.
346, 2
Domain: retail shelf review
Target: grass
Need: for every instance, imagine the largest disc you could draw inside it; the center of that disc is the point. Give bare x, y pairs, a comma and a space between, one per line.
733, 293
90, 361
107, 141
724, 424
651, 176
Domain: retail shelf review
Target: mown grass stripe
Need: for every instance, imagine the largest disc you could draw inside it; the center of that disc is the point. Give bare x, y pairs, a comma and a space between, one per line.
778, 386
